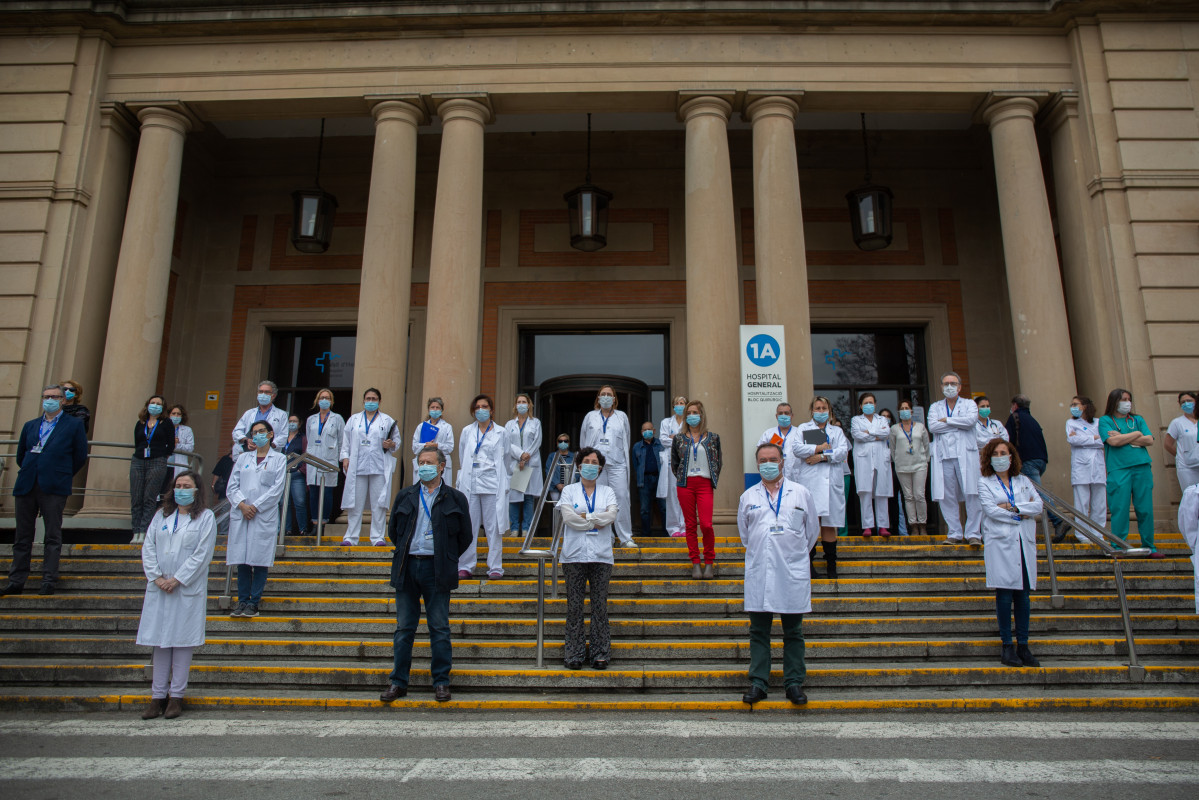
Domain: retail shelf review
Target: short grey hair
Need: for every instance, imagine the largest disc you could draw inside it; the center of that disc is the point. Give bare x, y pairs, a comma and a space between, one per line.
1022, 401
436, 400
274, 386
57, 386
945, 375
432, 448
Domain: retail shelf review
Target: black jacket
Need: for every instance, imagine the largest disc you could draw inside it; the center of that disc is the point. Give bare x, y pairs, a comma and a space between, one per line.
162, 442
452, 533
53, 469
1025, 433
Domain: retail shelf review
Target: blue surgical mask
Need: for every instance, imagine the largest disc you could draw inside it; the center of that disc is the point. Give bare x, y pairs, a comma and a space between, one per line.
820, 417
1076, 412
589, 471
647, 435
563, 446
984, 412
176, 420
1001, 463
607, 401
434, 413
522, 408
867, 408
693, 420
264, 399
482, 414
155, 409
784, 420
427, 472
293, 426
324, 403
51, 406
678, 410
1187, 408
905, 414
70, 395
769, 470
371, 406
184, 497
261, 439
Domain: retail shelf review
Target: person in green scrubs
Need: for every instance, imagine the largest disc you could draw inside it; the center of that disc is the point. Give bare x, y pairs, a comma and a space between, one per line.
1125, 438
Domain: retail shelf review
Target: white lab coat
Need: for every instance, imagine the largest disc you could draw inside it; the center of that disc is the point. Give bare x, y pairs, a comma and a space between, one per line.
1004, 537
178, 547
252, 541
1188, 524
481, 454
528, 441
1086, 452
325, 445
872, 455
1186, 458
276, 418
778, 575
954, 439
445, 443
790, 470
185, 443
826, 480
579, 545
669, 428
369, 458
614, 441
984, 432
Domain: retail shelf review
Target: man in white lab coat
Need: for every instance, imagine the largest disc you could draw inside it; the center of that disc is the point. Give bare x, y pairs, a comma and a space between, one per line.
778, 524
955, 469
265, 410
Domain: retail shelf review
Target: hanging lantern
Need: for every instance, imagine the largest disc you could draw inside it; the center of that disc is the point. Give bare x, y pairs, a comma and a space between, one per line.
313, 211
870, 209
587, 208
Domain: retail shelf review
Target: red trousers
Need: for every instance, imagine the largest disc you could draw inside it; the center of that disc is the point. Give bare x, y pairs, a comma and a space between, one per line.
696, 501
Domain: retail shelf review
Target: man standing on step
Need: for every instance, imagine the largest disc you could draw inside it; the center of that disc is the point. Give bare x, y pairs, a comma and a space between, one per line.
52, 448
430, 528
955, 468
778, 524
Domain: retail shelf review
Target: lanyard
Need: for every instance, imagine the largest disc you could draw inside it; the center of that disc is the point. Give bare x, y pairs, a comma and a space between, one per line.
369, 422
176, 528
694, 447
605, 421
482, 436
908, 435
425, 506
1011, 493
775, 507
150, 431
320, 423
521, 425
784, 445
949, 408
590, 501
42, 437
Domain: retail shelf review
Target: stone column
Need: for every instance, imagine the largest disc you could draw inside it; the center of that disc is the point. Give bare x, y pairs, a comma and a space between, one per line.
1044, 357
713, 296
456, 260
381, 353
139, 298
780, 258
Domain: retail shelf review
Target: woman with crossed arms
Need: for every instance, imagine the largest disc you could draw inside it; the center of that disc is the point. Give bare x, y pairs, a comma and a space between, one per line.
819, 468
606, 428
482, 478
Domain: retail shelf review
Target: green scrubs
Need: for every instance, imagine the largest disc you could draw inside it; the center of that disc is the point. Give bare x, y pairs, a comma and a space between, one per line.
1129, 478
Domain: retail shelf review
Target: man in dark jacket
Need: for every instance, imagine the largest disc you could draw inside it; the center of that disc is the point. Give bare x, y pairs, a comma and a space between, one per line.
647, 460
1025, 433
430, 528
52, 448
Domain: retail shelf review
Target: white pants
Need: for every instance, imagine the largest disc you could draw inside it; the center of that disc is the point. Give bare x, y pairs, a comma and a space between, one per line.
484, 510
1091, 500
368, 486
674, 511
170, 663
954, 493
616, 477
912, 486
1187, 476
874, 509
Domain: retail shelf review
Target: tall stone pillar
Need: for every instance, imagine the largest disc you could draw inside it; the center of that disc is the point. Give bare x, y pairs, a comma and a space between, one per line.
455, 272
381, 352
713, 297
1044, 358
139, 297
780, 258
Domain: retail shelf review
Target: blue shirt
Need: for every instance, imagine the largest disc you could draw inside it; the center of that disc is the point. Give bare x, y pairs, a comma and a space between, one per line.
422, 537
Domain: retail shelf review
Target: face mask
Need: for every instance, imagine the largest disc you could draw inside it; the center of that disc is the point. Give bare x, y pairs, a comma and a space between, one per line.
177, 420
589, 471
434, 413
371, 405
184, 497
482, 414
647, 435
693, 420
522, 408
984, 412
563, 445
155, 409
324, 404
264, 399
1075, 412
905, 414
1001, 463
427, 472
1187, 408
51, 406
678, 410
868, 408
606, 401
949, 391
769, 470
784, 420
70, 395
1124, 406
293, 426
820, 417
261, 439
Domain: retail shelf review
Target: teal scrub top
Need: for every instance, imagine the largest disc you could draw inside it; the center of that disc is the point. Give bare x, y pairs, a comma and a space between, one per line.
1124, 456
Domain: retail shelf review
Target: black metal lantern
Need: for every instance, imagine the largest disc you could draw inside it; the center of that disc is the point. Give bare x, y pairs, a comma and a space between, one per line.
870, 209
587, 207
313, 211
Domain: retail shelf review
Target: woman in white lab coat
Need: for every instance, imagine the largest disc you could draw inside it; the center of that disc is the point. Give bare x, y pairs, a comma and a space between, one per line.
987, 428
819, 468
255, 489
185, 442
176, 555
482, 477
670, 427
1010, 504
524, 453
1188, 524
368, 460
606, 428
444, 438
1182, 441
1088, 472
872, 466
324, 431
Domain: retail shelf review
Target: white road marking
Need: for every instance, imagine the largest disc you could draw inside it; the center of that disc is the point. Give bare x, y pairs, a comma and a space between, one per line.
593, 769
697, 728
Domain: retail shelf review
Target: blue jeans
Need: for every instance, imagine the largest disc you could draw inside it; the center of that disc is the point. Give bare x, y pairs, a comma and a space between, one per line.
437, 615
314, 502
516, 510
1004, 599
648, 501
1032, 469
297, 505
250, 583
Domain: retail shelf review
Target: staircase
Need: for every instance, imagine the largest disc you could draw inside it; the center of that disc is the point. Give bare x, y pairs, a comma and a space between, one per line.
909, 624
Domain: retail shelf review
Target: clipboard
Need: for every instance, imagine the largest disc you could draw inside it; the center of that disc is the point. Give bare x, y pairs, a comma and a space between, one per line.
428, 433
814, 436
520, 479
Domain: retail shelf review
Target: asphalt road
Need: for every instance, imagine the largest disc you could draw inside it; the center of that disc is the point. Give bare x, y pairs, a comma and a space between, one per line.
260, 755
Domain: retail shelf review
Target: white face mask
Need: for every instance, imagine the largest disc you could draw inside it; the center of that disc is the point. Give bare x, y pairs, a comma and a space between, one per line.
1124, 406
606, 401
950, 391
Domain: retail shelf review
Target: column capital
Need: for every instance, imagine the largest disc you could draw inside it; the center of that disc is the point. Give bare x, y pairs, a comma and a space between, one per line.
1062, 107
173, 114
759, 105
403, 108
1002, 106
475, 106
116, 116
701, 104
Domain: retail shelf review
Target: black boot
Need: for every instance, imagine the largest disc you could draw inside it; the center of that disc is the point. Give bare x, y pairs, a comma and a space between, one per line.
812, 563
1026, 657
1008, 657
830, 558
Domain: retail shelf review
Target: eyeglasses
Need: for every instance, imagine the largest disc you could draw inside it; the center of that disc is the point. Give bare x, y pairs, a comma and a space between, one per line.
52, 397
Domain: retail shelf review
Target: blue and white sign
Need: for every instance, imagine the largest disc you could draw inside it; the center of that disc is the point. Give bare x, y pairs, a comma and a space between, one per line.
763, 387
763, 350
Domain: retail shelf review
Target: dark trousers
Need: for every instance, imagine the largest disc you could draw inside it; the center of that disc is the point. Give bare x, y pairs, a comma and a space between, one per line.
251, 581
314, 501
298, 516
146, 476
579, 577
1020, 598
794, 670
28, 506
648, 501
423, 586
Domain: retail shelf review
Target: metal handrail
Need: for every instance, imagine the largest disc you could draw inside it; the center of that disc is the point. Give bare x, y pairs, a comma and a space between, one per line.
557, 525
195, 463
1111, 546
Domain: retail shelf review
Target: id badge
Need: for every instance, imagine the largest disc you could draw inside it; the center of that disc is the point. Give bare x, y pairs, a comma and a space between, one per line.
910, 451
476, 464
37, 448
366, 443
147, 452
593, 532
695, 469
604, 442
318, 441
776, 529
